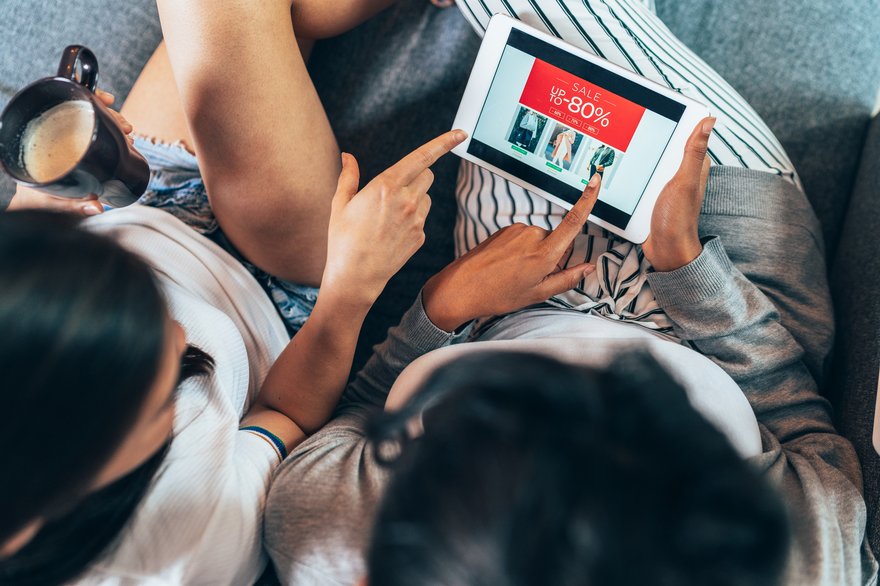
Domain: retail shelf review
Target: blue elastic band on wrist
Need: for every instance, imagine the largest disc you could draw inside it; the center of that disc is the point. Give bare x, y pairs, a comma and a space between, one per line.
271, 436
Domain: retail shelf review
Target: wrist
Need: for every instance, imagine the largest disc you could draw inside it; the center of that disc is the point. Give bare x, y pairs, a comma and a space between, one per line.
440, 310
345, 300
676, 253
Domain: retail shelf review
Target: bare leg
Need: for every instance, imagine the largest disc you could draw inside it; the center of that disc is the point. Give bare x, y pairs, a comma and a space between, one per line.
320, 19
247, 107
233, 87
305, 47
294, 224
153, 106
154, 109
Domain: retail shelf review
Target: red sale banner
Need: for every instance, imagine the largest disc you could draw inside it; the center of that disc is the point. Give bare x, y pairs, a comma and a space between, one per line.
582, 105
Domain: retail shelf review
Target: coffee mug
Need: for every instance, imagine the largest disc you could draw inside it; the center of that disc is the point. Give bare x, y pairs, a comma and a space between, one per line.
68, 138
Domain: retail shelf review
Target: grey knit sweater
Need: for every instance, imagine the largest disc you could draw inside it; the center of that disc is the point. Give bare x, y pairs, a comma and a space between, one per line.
757, 306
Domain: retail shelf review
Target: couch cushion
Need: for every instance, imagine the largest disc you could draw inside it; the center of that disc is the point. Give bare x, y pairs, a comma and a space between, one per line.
123, 35
811, 69
388, 87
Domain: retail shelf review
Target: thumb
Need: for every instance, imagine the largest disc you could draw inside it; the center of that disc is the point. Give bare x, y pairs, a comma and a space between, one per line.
106, 97
349, 178
90, 208
565, 280
695, 151
704, 175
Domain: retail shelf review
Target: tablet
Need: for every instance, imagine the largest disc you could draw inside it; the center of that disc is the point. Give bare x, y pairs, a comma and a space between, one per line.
547, 116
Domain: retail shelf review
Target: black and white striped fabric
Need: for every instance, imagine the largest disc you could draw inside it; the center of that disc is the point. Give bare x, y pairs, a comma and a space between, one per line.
629, 34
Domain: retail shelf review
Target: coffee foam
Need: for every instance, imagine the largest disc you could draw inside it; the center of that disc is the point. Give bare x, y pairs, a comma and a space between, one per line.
53, 143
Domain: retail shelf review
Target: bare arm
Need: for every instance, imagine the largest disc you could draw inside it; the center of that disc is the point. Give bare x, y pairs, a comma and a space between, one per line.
372, 234
305, 383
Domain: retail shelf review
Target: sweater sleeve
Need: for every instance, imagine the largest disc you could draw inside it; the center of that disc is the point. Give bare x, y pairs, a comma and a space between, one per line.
716, 309
415, 335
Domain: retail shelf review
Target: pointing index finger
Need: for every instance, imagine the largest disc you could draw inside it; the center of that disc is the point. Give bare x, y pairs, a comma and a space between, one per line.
412, 165
561, 238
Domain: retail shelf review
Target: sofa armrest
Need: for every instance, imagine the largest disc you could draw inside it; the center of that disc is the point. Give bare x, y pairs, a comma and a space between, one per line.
855, 280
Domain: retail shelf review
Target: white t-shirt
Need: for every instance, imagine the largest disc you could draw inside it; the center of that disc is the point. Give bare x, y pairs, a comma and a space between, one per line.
201, 522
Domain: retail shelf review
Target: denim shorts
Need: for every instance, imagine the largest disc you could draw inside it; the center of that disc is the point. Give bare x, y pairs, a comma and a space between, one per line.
176, 186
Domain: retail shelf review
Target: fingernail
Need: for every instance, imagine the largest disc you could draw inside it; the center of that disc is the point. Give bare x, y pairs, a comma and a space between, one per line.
342, 156
91, 210
708, 124
460, 135
594, 180
589, 270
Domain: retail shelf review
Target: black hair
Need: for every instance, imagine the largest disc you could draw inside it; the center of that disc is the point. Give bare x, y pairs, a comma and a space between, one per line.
66, 546
531, 471
83, 327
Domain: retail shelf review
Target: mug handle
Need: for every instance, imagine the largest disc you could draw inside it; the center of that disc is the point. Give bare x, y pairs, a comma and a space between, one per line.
87, 61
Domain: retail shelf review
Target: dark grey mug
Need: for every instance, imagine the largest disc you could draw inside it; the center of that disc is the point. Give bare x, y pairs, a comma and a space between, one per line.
109, 168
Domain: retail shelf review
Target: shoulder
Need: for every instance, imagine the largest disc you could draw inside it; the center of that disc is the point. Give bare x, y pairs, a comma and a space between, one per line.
321, 504
202, 518
202, 281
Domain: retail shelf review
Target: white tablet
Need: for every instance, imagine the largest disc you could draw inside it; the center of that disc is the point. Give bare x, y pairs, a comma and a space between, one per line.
547, 116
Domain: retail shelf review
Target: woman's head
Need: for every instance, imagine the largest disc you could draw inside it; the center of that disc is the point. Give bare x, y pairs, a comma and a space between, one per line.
530, 471
89, 359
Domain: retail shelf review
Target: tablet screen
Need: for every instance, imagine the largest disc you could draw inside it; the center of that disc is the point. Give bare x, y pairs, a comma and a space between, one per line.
554, 119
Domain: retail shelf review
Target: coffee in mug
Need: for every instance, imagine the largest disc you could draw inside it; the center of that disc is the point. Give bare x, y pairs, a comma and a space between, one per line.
55, 141
56, 136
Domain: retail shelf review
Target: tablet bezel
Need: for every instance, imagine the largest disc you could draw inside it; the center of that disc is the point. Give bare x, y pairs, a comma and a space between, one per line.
476, 94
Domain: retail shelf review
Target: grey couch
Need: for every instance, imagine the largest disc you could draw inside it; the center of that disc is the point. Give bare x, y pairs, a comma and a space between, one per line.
811, 69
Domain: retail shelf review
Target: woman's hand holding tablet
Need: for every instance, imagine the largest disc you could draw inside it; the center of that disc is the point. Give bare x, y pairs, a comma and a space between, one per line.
674, 240
548, 116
